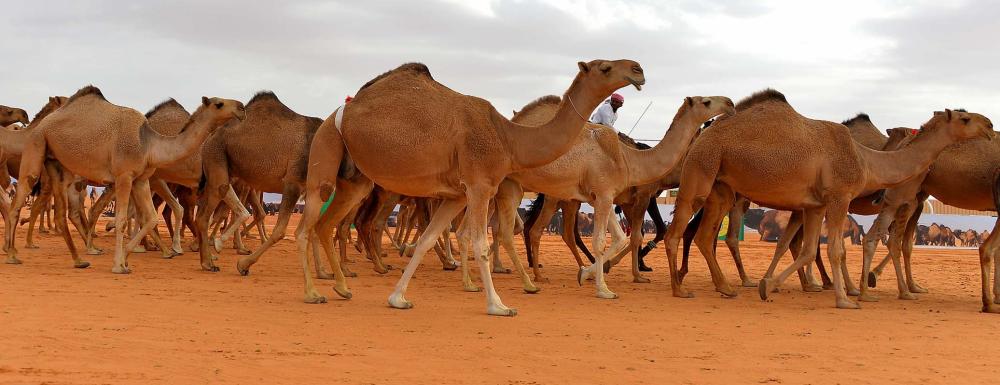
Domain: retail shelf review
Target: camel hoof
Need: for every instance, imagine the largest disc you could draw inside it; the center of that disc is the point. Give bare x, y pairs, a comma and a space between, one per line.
450, 266
907, 296
119, 269
868, 298
139, 249
350, 274
532, 289
640, 279
501, 270
847, 304
728, 292
682, 293
809, 288
471, 288
828, 286
343, 292
917, 289
81, 264
211, 268
31, 246
853, 292
749, 283
397, 301
314, 298
990, 308
872, 279
13, 261
762, 289
581, 275
95, 252
501, 311
171, 255
323, 275
606, 294
244, 252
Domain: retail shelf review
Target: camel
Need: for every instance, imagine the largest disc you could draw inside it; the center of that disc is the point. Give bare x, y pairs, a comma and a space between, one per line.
964, 176
127, 153
598, 168
11, 115
820, 170
467, 149
268, 153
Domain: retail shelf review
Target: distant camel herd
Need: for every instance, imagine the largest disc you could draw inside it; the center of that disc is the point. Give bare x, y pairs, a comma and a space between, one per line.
458, 167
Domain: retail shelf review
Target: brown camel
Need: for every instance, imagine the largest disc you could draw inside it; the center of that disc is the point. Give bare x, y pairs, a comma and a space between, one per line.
598, 168
467, 149
267, 152
127, 154
818, 169
964, 176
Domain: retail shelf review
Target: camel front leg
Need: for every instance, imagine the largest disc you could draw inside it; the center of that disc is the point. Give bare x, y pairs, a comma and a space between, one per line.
241, 213
835, 218
59, 187
812, 220
733, 240
602, 212
288, 200
507, 201
987, 260
159, 187
715, 209
123, 193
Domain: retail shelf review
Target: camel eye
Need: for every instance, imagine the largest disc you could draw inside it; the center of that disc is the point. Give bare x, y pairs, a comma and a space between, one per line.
966, 120
708, 103
218, 105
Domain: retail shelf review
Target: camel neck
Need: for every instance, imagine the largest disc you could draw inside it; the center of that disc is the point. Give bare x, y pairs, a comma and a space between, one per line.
166, 150
646, 166
531, 147
889, 168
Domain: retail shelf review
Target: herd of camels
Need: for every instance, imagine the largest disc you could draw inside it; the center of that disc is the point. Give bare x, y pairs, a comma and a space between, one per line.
458, 167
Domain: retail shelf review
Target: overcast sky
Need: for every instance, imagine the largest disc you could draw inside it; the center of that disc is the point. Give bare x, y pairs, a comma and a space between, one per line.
896, 60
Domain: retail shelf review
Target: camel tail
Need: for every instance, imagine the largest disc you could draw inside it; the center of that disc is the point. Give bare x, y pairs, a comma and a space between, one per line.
661, 229
529, 221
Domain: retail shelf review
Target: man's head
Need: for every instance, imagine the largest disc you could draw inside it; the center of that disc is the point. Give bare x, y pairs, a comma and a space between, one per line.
617, 101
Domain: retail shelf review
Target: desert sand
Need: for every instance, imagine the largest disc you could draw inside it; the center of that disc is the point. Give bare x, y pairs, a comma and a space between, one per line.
170, 322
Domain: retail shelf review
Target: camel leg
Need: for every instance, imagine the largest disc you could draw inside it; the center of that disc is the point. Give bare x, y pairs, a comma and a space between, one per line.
878, 230
96, 210
715, 209
908, 239
441, 219
570, 230
288, 199
634, 213
785, 241
533, 236
602, 212
34, 213
733, 241
322, 225
507, 203
987, 260
29, 173
159, 187
145, 217
465, 245
835, 218
812, 220
75, 211
61, 182
895, 245
123, 193
241, 214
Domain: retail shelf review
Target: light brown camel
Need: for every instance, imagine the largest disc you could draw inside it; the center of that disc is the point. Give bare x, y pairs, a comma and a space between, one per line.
11, 115
466, 149
597, 169
105, 143
778, 158
267, 152
964, 176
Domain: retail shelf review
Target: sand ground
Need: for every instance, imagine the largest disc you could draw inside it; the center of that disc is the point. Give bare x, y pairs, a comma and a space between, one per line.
169, 322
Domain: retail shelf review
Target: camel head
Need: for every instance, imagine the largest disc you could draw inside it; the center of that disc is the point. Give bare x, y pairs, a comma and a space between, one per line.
960, 124
900, 133
11, 115
610, 75
704, 108
221, 110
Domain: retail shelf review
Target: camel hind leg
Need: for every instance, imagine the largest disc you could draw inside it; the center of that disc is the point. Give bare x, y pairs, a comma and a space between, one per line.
288, 200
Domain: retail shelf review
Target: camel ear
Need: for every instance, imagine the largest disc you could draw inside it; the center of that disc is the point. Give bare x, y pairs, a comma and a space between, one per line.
689, 101
584, 67
947, 113
204, 101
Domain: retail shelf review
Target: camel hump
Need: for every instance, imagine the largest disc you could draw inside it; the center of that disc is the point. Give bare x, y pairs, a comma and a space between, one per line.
765, 95
88, 90
416, 68
544, 101
169, 103
263, 95
860, 117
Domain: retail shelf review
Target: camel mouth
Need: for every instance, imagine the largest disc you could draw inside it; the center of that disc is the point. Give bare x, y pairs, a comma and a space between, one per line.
637, 84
